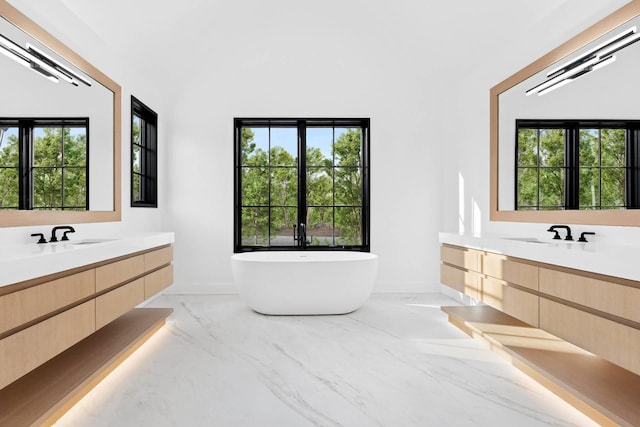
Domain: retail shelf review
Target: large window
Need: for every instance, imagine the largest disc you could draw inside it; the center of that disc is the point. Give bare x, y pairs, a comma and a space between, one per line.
301, 177
144, 155
577, 165
44, 164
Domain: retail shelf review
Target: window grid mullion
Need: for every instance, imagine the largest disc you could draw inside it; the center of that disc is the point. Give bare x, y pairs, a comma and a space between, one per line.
302, 190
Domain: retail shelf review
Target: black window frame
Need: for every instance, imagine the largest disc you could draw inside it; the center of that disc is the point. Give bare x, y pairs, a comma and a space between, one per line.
148, 146
302, 124
572, 158
26, 168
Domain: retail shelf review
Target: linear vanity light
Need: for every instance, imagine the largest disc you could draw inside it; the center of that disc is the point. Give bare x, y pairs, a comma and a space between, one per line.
39, 62
598, 57
63, 72
564, 77
591, 53
583, 71
7, 49
21, 56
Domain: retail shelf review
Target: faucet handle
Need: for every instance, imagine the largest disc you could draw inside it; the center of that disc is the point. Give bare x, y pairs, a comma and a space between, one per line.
585, 233
42, 239
64, 235
556, 236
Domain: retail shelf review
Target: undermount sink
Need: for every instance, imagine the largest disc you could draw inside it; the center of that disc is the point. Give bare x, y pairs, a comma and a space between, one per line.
90, 241
527, 239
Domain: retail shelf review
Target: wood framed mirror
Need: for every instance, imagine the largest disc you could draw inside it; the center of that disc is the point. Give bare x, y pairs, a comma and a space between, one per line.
503, 134
98, 102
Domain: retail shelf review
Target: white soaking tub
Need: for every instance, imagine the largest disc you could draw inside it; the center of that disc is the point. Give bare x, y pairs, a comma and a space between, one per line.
304, 282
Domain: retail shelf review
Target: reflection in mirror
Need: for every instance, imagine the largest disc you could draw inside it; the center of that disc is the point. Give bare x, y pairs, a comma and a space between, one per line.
63, 124
44, 164
41, 99
564, 130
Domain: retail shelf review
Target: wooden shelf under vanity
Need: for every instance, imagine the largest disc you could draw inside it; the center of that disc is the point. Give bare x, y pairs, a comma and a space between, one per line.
62, 333
44, 394
604, 391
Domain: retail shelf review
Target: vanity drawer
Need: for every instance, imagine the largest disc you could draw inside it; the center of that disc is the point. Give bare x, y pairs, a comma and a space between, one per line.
113, 304
157, 281
23, 306
461, 257
518, 273
118, 272
613, 341
612, 298
467, 282
158, 258
26, 350
514, 302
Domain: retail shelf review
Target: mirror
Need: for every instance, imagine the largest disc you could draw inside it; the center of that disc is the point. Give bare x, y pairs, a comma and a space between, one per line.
605, 93
97, 100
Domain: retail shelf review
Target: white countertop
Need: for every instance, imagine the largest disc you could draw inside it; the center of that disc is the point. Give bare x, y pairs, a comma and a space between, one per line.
617, 261
24, 262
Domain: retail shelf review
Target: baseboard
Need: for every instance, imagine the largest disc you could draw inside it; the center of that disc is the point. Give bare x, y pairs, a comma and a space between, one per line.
405, 288
201, 289
225, 288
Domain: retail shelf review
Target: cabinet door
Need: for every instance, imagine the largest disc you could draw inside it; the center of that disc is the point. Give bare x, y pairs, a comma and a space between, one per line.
509, 270
467, 282
24, 351
612, 298
461, 257
157, 281
613, 341
18, 308
118, 272
158, 258
514, 302
114, 304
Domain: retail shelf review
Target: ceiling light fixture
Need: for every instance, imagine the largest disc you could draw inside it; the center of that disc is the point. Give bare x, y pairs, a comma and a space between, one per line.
589, 61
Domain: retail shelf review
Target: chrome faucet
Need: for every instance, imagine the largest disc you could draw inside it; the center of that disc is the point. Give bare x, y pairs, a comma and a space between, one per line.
69, 229
557, 236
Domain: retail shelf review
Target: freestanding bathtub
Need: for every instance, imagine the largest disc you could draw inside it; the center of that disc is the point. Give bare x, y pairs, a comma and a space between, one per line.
304, 282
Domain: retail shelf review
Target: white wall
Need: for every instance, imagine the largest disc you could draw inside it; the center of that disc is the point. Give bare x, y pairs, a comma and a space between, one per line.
67, 28
467, 177
404, 161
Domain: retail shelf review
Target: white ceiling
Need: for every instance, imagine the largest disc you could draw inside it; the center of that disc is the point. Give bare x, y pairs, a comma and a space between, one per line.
197, 37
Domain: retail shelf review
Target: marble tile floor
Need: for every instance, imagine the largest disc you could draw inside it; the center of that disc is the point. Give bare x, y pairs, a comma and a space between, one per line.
395, 362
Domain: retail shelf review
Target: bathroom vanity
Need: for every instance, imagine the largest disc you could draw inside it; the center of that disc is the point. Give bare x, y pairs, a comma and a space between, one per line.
67, 316
548, 285
567, 292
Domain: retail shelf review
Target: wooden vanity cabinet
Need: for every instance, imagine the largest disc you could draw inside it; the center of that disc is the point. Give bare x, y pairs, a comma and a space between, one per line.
460, 270
42, 317
494, 279
25, 350
610, 295
116, 273
26, 305
511, 270
595, 312
503, 296
598, 313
